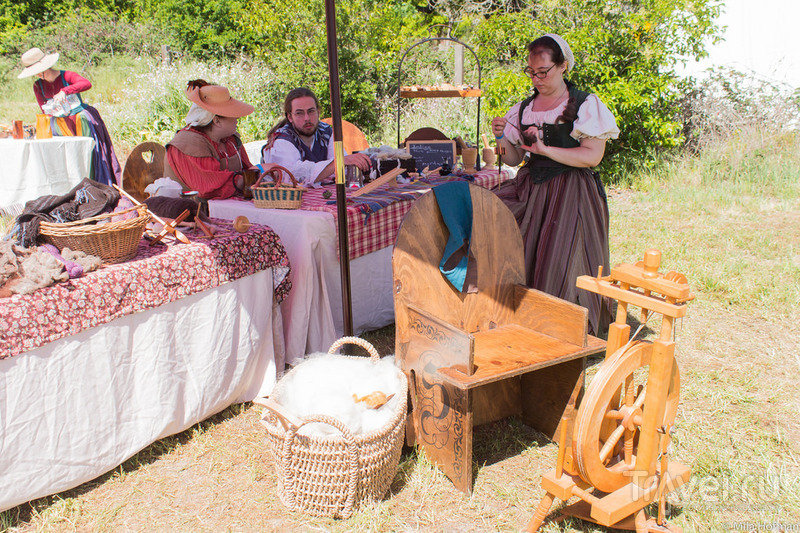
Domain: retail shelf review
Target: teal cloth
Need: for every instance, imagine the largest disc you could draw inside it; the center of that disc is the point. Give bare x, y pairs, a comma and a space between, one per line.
458, 263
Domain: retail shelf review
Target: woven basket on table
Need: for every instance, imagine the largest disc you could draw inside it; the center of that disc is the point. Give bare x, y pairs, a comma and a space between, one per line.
331, 475
113, 242
275, 195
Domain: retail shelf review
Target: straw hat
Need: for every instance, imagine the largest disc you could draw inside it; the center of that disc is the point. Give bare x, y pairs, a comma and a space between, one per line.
35, 61
217, 99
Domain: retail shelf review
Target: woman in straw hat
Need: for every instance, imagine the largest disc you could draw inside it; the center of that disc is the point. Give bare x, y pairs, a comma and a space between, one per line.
207, 155
558, 201
58, 94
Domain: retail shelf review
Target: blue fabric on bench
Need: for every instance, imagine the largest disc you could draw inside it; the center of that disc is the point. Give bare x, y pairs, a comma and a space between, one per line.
455, 204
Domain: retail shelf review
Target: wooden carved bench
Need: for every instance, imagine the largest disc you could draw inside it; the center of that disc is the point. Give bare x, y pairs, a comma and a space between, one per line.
505, 350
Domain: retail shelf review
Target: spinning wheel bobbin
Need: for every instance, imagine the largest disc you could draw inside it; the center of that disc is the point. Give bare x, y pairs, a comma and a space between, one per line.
621, 428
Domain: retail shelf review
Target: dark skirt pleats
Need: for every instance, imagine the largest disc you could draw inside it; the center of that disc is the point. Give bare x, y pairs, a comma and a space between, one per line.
564, 226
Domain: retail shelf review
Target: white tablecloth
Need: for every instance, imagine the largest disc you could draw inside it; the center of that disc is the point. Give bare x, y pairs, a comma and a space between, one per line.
30, 168
79, 406
312, 313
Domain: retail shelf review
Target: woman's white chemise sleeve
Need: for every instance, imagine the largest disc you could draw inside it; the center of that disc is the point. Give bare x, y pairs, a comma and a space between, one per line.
594, 120
511, 131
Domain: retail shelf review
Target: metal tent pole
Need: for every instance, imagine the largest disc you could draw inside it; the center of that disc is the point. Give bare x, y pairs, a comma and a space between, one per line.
341, 193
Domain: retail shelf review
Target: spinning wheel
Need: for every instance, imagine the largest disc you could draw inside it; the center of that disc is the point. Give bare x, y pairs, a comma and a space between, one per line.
617, 463
611, 414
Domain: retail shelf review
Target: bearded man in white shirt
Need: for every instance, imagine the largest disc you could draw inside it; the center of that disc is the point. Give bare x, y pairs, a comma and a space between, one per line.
304, 145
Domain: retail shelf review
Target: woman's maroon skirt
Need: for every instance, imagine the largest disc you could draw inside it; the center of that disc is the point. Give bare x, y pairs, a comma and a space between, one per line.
564, 226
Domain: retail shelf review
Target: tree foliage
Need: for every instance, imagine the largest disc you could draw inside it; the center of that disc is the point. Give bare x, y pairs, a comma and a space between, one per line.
625, 50
371, 36
206, 29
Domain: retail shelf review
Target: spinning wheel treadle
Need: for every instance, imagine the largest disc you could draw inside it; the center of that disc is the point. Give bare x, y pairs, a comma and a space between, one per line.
610, 418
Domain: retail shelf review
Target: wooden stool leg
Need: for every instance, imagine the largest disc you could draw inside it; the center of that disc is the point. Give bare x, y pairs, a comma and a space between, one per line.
541, 513
549, 393
444, 430
640, 521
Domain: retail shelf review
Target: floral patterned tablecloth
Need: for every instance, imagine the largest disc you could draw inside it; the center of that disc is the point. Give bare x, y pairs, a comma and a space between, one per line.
156, 276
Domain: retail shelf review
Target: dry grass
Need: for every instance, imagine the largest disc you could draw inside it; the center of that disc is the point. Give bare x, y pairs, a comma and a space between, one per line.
736, 238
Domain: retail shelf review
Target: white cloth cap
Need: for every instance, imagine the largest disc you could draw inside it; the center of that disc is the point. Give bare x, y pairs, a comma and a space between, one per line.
565, 49
197, 116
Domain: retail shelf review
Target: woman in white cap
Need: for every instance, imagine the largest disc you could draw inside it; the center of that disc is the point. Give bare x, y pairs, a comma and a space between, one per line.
58, 94
558, 201
207, 155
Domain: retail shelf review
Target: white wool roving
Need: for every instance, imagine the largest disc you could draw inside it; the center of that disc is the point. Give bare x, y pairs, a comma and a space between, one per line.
324, 384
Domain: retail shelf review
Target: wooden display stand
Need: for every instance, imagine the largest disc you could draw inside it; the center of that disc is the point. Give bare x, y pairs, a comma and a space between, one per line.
444, 90
613, 453
473, 358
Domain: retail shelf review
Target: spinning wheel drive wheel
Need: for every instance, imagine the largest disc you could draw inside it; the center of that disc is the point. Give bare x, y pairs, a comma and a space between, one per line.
610, 417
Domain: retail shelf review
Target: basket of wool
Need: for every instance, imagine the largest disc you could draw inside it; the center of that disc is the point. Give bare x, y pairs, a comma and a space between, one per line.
335, 426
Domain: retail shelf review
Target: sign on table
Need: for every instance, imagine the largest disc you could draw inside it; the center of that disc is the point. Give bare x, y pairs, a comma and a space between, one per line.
432, 154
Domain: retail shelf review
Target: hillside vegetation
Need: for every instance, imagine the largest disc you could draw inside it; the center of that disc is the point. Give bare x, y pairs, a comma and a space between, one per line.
625, 52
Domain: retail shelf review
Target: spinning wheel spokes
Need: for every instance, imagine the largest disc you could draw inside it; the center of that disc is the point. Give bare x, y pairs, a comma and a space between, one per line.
611, 411
626, 417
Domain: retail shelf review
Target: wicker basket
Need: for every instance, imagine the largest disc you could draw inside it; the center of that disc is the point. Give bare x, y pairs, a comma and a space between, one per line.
113, 242
331, 475
275, 195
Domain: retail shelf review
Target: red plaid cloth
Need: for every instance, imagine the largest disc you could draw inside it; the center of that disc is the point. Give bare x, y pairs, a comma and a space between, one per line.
369, 232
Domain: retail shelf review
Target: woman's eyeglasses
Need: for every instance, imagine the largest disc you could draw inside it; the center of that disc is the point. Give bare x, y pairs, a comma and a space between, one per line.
537, 74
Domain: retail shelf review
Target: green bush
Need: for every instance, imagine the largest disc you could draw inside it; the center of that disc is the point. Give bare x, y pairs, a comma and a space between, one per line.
625, 52
729, 102
292, 42
207, 29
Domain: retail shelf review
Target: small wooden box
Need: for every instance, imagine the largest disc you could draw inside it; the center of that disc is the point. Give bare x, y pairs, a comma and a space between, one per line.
385, 165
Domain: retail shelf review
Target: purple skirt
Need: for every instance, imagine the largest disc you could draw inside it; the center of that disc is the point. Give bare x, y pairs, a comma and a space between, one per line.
564, 226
